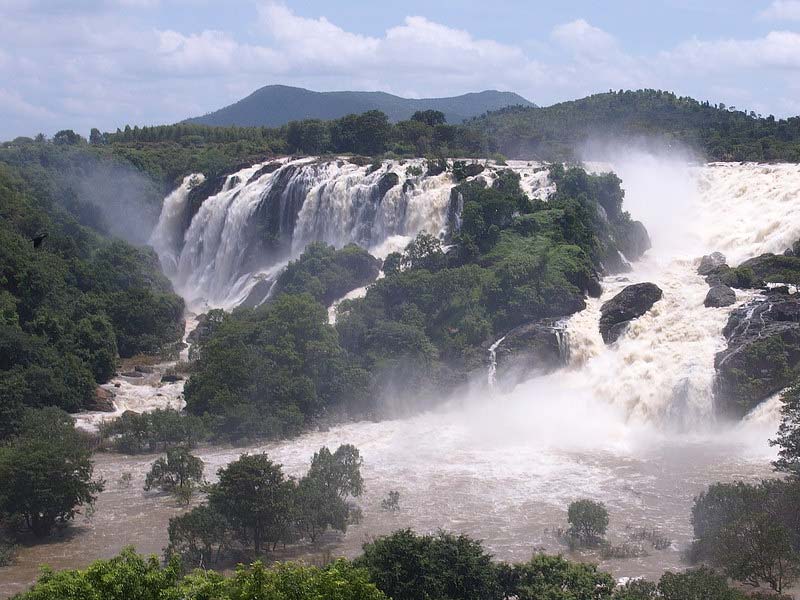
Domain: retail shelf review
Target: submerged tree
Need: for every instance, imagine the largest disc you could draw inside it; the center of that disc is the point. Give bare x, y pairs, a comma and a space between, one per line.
179, 473
588, 521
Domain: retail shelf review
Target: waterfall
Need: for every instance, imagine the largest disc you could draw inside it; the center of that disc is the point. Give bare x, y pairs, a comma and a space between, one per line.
492, 377
167, 237
266, 214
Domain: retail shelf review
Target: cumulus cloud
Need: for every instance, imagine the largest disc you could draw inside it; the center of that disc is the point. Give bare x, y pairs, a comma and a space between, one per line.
88, 63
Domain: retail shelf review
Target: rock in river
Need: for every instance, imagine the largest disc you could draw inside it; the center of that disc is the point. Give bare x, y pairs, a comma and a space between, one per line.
631, 303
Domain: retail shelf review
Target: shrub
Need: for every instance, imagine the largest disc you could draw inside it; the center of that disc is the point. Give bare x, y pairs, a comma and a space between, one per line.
588, 521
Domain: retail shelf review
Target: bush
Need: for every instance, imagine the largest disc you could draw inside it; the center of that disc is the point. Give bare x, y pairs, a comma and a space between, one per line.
154, 431
588, 521
179, 473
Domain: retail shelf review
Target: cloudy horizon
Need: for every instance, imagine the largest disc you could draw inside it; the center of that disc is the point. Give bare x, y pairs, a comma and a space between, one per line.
107, 63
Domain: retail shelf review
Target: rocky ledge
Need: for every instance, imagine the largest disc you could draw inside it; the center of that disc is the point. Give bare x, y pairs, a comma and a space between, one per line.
631, 303
763, 353
532, 349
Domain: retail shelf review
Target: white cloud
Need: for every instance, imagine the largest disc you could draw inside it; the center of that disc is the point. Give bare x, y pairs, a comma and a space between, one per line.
782, 10
97, 65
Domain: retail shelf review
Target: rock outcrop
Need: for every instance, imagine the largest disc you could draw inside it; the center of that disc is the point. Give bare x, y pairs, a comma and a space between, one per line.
631, 303
532, 349
102, 400
719, 296
763, 353
710, 263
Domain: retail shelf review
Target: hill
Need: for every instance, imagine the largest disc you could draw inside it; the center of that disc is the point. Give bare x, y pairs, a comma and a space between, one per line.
716, 132
276, 105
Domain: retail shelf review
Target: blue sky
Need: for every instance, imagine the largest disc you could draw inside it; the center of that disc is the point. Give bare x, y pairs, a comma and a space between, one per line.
104, 63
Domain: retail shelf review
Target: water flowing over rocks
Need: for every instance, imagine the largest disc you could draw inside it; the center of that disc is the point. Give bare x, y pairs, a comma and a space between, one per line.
631, 303
763, 353
719, 296
710, 262
530, 350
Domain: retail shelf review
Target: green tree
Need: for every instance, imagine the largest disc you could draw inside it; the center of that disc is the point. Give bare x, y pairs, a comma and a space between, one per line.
430, 117
253, 495
788, 438
179, 473
555, 578
46, 471
199, 537
588, 521
406, 566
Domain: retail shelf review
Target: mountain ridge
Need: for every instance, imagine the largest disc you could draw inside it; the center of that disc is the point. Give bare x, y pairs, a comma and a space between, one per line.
275, 105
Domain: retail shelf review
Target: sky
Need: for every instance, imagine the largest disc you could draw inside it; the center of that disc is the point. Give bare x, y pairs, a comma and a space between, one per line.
79, 64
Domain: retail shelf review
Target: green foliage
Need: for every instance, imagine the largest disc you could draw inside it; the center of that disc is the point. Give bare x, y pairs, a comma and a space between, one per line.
697, 584
254, 497
557, 132
406, 566
555, 578
266, 372
788, 437
327, 273
752, 532
588, 521
199, 538
46, 471
68, 307
154, 431
179, 473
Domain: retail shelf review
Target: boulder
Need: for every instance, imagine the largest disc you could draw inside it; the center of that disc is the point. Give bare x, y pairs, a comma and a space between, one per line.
170, 378
710, 263
633, 240
531, 349
132, 374
719, 296
387, 182
774, 268
102, 400
631, 303
473, 169
268, 168
763, 353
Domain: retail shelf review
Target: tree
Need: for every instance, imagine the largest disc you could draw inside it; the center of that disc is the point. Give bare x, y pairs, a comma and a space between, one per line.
320, 496
178, 473
46, 471
67, 137
423, 252
406, 566
697, 584
200, 537
588, 521
788, 438
255, 498
95, 137
430, 117
555, 578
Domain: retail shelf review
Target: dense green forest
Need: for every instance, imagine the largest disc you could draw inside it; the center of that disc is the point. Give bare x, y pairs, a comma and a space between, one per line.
74, 301
715, 132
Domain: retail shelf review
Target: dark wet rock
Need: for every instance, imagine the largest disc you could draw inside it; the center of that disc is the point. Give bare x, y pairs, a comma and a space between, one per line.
789, 252
719, 296
532, 349
387, 182
266, 169
170, 378
631, 303
117, 385
763, 353
102, 400
633, 240
774, 268
360, 161
473, 169
436, 167
710, 263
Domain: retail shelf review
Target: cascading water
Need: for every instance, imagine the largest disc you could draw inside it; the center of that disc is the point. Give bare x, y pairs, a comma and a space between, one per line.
267, 213
492, 376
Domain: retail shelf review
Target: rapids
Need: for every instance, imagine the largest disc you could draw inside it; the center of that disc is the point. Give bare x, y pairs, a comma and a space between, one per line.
630, 424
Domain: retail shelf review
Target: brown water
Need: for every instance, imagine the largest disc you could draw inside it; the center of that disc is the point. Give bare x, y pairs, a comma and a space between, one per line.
510, 494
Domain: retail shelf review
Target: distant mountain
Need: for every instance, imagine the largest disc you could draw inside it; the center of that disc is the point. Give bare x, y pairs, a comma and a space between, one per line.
276, 105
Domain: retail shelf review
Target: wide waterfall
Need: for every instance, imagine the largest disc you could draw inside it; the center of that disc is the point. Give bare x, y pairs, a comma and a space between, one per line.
267, 213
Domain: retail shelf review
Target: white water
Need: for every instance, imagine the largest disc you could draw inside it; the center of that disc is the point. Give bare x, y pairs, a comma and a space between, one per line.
491, 378
223, 254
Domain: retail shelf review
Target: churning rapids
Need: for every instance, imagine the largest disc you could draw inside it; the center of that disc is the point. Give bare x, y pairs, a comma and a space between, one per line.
631, 424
